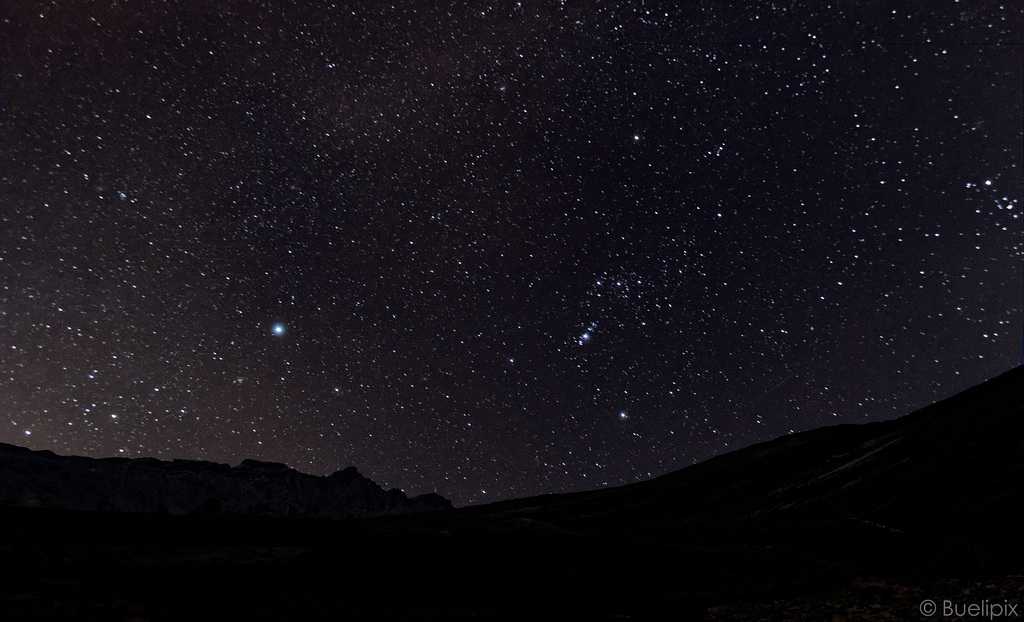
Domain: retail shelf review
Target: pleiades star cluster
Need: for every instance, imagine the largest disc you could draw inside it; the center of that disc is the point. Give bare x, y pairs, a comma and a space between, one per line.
499, 250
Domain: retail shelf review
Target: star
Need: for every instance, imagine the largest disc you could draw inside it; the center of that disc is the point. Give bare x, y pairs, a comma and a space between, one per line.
278, 329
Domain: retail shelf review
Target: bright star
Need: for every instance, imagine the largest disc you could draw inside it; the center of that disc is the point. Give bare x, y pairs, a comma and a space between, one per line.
278, 329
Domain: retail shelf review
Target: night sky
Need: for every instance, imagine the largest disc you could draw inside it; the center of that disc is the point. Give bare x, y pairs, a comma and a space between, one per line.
502, 250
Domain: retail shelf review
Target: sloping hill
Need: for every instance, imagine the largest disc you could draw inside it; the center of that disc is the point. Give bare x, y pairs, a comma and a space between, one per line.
955, 465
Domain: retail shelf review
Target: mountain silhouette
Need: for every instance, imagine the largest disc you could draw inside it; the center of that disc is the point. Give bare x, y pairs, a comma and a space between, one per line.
852, 522
954, 466
44, 479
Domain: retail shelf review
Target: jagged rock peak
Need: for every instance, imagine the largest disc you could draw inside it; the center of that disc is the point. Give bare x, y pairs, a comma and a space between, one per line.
45, 479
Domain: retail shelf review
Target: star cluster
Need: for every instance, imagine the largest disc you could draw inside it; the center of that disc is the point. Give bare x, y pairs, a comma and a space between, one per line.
497, 251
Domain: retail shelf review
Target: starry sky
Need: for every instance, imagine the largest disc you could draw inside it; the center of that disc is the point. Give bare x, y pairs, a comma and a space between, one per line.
500, 250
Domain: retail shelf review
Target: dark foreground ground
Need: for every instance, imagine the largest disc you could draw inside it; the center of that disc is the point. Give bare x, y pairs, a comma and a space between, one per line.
872, 522
61, 565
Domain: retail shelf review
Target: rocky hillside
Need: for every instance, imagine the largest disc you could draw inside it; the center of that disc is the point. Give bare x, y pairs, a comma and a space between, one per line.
44, 479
